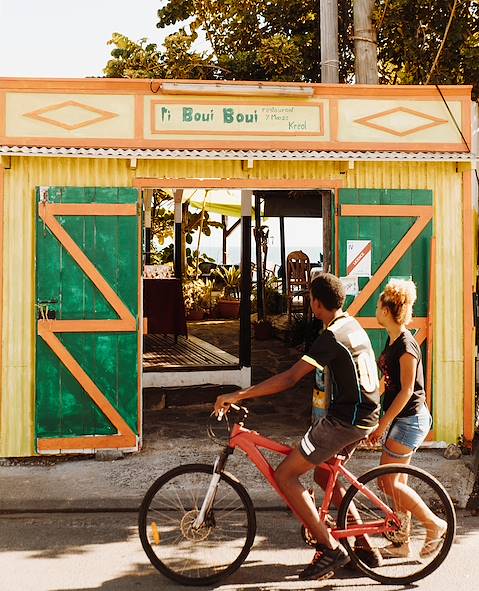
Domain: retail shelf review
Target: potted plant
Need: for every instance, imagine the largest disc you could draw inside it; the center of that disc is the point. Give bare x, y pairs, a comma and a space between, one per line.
228, 304
194, 292
272, 304
262, 329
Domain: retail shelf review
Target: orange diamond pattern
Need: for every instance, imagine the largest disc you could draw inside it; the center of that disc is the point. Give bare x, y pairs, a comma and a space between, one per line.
419, 121
80, 115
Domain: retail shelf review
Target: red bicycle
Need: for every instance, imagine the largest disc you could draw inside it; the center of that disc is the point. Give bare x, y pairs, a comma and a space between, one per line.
197, 523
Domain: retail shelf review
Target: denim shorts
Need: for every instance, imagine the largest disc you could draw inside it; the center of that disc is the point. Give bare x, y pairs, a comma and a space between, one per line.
411, 431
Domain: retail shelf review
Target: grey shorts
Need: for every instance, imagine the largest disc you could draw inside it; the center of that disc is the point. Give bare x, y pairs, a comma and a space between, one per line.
329, 436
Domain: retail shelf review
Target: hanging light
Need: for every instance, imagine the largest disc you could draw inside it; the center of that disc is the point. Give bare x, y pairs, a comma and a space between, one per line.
236, 89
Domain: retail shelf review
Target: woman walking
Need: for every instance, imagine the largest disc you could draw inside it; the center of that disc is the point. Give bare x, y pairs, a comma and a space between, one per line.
406, 420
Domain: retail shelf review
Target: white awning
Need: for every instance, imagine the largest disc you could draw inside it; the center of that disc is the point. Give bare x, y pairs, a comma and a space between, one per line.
132, 153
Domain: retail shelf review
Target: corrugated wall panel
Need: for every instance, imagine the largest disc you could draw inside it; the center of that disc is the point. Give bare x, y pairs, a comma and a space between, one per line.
16, 434
235, 169
448, 351
17, 388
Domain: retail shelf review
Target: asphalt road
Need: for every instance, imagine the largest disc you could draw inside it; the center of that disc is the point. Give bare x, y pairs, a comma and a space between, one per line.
101, 552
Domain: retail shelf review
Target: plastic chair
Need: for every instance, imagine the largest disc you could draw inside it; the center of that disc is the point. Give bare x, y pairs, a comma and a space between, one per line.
298, 280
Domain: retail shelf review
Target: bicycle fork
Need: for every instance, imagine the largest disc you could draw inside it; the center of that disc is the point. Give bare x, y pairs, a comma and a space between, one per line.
218, 468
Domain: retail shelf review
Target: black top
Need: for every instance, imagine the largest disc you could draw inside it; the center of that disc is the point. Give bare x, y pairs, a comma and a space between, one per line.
344, 347
389, 365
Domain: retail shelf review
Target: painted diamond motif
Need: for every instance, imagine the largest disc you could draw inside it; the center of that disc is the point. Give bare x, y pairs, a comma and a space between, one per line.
71, 115
401, 121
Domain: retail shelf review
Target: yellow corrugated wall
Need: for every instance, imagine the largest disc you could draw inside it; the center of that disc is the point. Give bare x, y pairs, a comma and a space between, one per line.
448, 349
446, 184
18, 334
236, 169
16, 433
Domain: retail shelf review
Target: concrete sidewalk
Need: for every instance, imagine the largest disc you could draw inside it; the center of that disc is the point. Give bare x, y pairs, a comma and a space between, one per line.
52, 484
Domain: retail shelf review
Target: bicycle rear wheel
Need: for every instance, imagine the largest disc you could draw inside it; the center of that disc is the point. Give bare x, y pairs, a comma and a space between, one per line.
404, 551
196, 556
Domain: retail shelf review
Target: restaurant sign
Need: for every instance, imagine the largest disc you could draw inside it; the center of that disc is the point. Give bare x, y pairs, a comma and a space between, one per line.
129, 113
237, 118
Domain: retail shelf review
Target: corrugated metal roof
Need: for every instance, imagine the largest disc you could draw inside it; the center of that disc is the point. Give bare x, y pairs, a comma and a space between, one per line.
236, 154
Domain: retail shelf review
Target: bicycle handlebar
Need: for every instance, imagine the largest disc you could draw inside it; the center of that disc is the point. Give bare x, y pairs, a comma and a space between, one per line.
238, 417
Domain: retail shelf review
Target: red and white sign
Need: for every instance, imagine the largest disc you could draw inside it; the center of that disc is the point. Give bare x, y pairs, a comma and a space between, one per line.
358, 258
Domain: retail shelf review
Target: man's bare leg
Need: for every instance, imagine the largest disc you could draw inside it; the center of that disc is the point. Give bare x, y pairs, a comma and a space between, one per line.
321, 477
287, 476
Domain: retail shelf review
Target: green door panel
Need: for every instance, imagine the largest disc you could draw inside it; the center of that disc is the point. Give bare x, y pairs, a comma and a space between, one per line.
110, 359
385, 234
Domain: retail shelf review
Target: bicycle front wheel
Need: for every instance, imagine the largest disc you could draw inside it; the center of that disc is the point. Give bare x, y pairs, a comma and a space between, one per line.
189, 555
411, 551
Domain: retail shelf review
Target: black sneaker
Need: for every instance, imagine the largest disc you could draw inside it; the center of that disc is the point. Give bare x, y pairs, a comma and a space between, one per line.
369, 556
324, 563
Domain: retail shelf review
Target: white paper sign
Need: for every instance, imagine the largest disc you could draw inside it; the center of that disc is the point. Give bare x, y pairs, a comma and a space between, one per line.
350, 284
358, 258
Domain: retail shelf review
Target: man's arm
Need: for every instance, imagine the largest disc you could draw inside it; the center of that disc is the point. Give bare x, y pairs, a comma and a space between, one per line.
274, 385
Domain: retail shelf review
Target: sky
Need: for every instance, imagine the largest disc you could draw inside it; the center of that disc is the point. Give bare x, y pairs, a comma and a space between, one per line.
65, 39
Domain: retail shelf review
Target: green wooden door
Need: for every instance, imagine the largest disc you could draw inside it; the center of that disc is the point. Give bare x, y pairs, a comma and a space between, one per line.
87, 294
397, 224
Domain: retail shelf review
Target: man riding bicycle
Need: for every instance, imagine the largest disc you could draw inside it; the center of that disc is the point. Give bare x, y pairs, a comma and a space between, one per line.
345, 349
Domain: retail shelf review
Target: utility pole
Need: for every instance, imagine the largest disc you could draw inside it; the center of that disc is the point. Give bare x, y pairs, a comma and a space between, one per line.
365, 45
328, 19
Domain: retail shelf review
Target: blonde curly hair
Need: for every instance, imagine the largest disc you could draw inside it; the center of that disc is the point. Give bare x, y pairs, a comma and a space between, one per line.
398, 297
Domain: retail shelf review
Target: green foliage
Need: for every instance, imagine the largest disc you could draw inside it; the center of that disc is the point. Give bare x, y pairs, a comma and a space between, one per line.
279, 40
274, 301
197, 294
163, 256
248, 40
141, 59
166, 255
410, 33
133, 60
297, 331
230, 278
163, 227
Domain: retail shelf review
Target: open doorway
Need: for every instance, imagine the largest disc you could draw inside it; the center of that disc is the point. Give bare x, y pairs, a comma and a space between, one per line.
197, 245
191, 293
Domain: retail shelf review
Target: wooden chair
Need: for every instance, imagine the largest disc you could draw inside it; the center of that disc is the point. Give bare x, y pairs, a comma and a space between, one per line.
298, 282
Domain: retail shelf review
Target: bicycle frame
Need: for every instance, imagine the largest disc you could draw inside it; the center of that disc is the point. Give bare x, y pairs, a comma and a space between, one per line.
250, 442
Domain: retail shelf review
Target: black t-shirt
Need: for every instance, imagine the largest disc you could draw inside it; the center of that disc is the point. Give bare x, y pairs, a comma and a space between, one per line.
389, 365
344, 347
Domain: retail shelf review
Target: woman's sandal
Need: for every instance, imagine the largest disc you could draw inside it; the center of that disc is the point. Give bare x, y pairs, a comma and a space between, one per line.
432, 546
396, 551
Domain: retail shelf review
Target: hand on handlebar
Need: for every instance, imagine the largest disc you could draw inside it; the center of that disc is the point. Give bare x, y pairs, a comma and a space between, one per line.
223, 403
